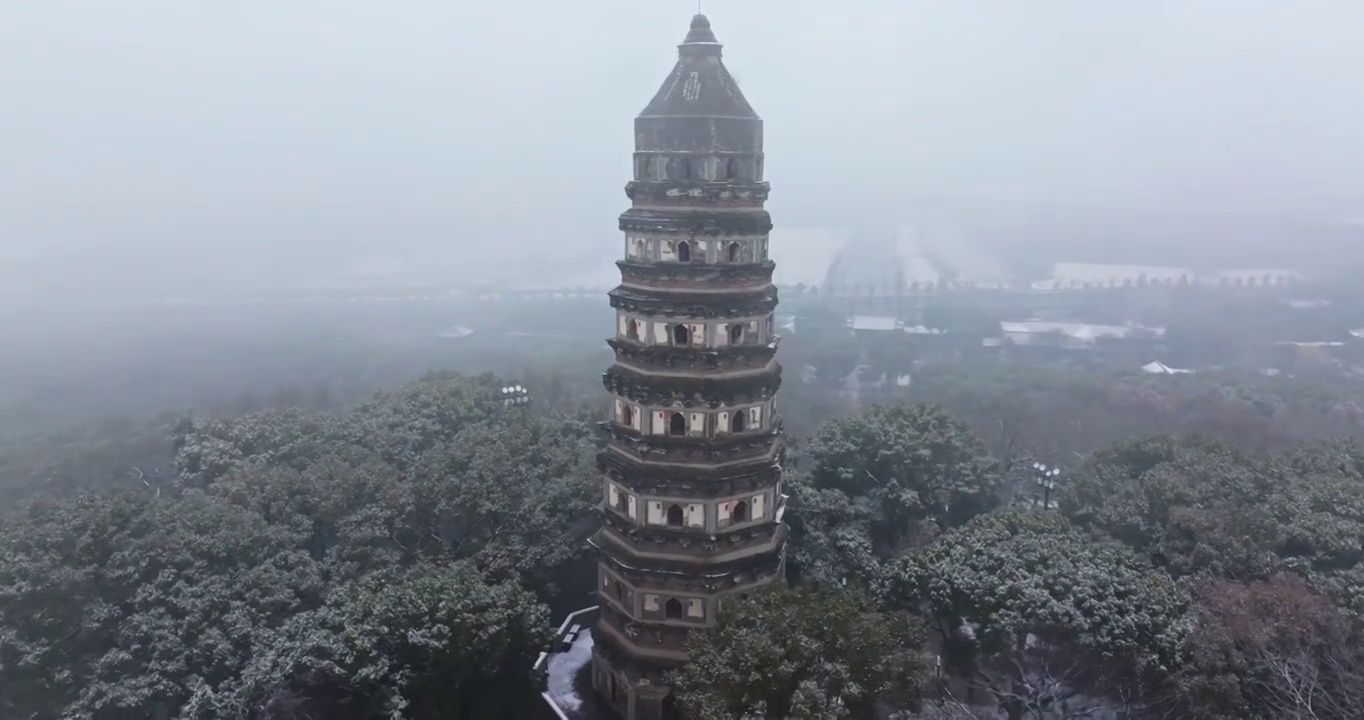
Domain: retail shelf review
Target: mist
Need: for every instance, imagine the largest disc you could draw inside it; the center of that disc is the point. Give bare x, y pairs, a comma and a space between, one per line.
174, 148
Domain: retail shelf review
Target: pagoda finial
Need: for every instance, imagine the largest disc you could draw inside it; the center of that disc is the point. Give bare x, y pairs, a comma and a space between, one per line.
700, 33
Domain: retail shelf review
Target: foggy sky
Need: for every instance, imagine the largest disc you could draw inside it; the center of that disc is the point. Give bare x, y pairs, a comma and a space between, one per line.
189, 142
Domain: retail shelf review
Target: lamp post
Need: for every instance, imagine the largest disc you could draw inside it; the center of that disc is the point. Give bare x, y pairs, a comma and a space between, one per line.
1046, 480
515, 395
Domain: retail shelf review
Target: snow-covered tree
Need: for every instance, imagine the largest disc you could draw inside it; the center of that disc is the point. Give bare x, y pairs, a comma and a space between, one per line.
810, 654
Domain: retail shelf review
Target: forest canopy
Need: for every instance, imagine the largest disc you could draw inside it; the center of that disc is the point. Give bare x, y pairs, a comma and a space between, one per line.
405, 556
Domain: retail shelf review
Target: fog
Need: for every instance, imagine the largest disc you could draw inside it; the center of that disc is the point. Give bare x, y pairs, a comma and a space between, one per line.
185, 146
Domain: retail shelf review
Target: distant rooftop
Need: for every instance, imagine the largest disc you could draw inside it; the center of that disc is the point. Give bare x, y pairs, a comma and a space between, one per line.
874, 322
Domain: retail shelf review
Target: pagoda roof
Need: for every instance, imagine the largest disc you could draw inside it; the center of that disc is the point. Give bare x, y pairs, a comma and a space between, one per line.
700, 85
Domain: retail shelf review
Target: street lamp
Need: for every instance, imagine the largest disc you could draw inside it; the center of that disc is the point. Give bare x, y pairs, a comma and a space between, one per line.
1046, 480
515, 395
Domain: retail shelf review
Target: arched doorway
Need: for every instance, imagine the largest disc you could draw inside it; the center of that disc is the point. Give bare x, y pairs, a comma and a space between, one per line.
681, 335
677, 424
675, 515
670, 709
684, 251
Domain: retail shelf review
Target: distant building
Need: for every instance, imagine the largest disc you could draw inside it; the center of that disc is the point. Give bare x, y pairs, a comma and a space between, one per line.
1072, 335
1080, 276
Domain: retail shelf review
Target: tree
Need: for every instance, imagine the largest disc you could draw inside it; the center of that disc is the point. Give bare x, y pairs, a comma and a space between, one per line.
1201, 508
513, 497
1193, 505
398, 427
109, 455
892, 352
439, 470
830, 536
1040, 614
401, 426
834, 361
911, 463
825, 341
303, 566
816, 654
348, 510
290, 438
120, 606
422, 644
1269, 649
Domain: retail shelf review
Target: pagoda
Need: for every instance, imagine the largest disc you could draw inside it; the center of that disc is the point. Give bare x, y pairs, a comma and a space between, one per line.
692, 498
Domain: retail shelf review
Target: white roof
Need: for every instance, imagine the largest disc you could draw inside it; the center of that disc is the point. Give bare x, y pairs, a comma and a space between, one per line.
1079, 331
875, 322
1157, 367
457, 331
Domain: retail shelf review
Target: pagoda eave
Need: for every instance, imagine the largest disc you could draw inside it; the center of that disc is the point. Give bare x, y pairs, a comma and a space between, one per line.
692, 392
695, 305
764, 472
709, 195
698, 275
668, 358
687, 574
696, 222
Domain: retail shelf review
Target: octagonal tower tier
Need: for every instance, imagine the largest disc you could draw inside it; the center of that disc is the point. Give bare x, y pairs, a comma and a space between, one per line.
691, 493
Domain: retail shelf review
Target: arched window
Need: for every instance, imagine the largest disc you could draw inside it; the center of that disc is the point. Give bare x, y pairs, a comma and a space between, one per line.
627, 416
684, 251
631, 330
681, 336
672, 609
611, 688
739, 513
677, 425
737, 420
684, 169
734, 252
622, 503
675, 515
732, 169
620, 590
736, 333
